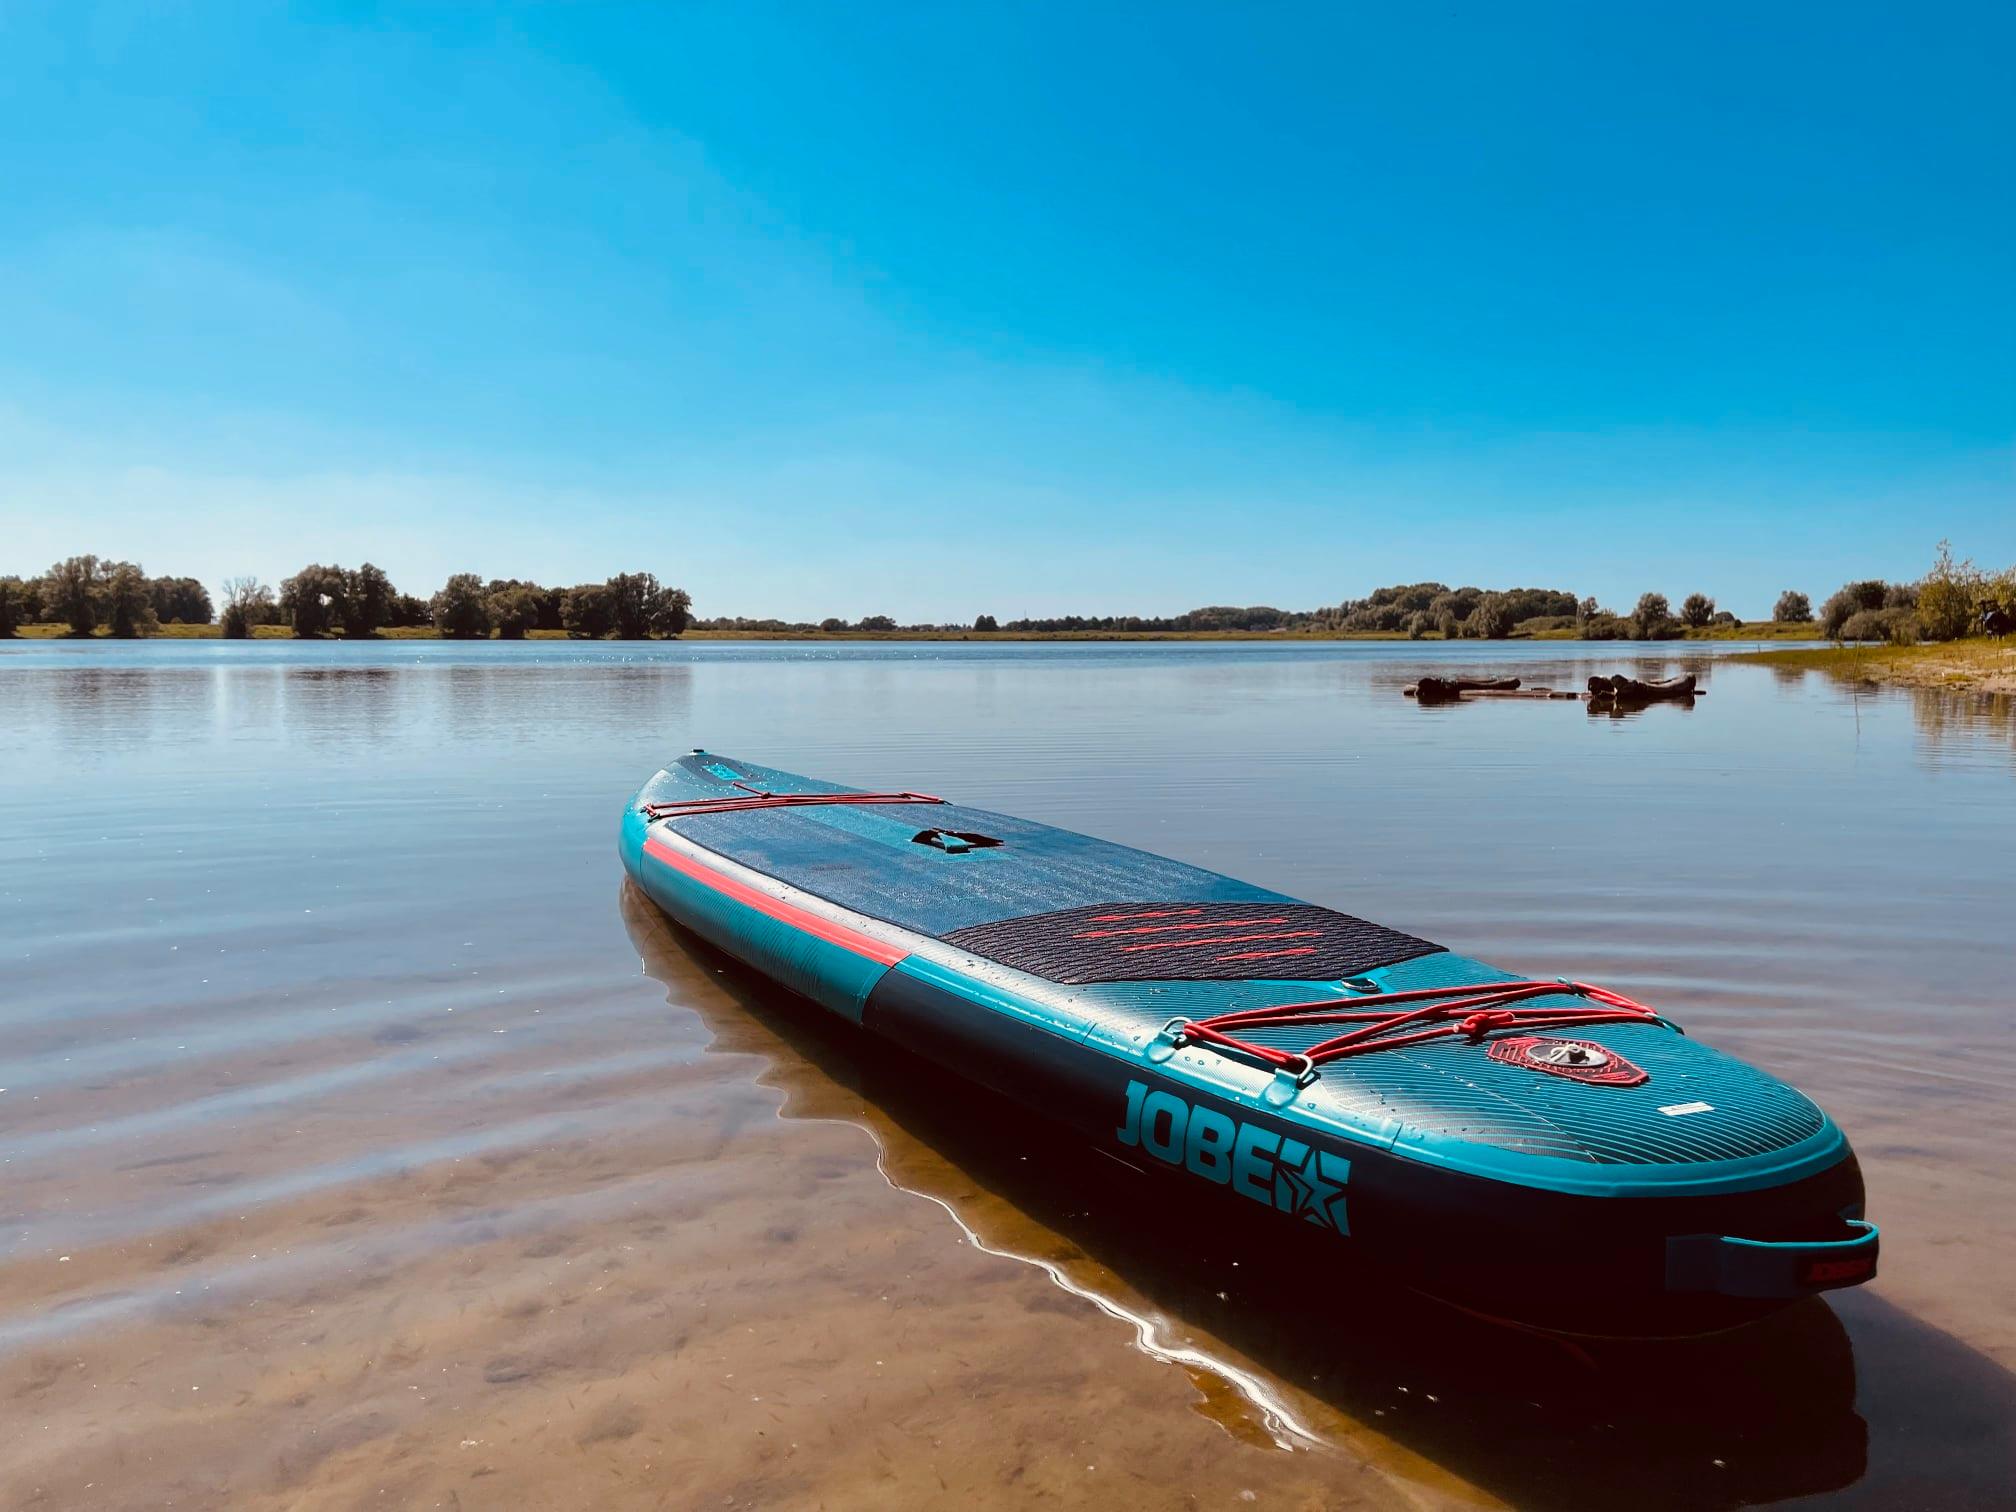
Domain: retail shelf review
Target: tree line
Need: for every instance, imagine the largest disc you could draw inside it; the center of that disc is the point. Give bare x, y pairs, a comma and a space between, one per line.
1417, 609
87, 592
87, 595
1954, 599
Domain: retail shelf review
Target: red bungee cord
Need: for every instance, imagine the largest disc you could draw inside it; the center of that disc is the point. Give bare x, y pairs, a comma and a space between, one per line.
1445, 1012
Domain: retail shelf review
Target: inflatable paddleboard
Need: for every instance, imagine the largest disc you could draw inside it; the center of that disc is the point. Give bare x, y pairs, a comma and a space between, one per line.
1549, 1151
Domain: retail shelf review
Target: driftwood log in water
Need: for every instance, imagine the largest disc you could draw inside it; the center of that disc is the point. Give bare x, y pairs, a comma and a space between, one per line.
1438, 689
1621, 689
1413, 691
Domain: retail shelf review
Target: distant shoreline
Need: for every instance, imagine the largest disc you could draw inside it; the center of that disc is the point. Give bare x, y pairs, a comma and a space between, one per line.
1758, 630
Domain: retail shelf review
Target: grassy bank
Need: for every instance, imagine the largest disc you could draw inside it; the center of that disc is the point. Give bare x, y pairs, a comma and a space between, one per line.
1987, 665
1751, 630
1763, 630
1746, 630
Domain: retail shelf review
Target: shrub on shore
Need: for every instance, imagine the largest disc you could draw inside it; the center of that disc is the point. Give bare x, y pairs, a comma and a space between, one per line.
1849, 600
1896, 625
1951, 596
1948, 603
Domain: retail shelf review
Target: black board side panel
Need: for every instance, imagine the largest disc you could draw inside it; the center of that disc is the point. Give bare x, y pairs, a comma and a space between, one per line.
1446, 1229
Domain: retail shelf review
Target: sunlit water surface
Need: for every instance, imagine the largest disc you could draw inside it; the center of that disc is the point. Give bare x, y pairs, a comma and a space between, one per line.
366, 1143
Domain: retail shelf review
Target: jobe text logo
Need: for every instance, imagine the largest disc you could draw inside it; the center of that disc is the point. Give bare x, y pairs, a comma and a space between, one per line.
1255, 1162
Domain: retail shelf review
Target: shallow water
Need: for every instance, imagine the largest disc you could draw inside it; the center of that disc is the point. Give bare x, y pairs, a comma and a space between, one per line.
366, 1142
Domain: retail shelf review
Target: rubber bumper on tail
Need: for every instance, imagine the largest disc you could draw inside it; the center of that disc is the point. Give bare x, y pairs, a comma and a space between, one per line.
1728, 1266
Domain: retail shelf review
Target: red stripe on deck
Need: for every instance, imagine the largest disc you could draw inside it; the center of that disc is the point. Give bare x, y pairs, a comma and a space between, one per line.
1210, 941
1101, 934
798, 918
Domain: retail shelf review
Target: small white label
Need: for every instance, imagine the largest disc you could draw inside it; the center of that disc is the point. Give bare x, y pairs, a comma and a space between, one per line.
1681, 1110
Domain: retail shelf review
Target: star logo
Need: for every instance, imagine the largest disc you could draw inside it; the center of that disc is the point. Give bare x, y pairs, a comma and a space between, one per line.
1313, 1189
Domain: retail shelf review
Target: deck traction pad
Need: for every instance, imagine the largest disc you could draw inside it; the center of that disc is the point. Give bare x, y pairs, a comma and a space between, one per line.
1189, 942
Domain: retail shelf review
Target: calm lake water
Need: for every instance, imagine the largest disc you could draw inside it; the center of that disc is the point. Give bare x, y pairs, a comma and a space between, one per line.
366, 1143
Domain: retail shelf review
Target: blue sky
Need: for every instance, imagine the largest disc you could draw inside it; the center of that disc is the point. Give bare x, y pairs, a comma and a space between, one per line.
931, 310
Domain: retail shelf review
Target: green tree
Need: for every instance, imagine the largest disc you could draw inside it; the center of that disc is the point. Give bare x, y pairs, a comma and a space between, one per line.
312, 599
129, 608
1848, 600
366, 605
1490, 620
875, 622
410, 612
1696, 610
1651, 614
673, 613
832, 623
70, 593
1458, 604
1949, 597
516, 611
247, 602
642, 608
587, 611
545, 600
461, 610
180, 601
986, 622
1792, 608
631, 596
10, 607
